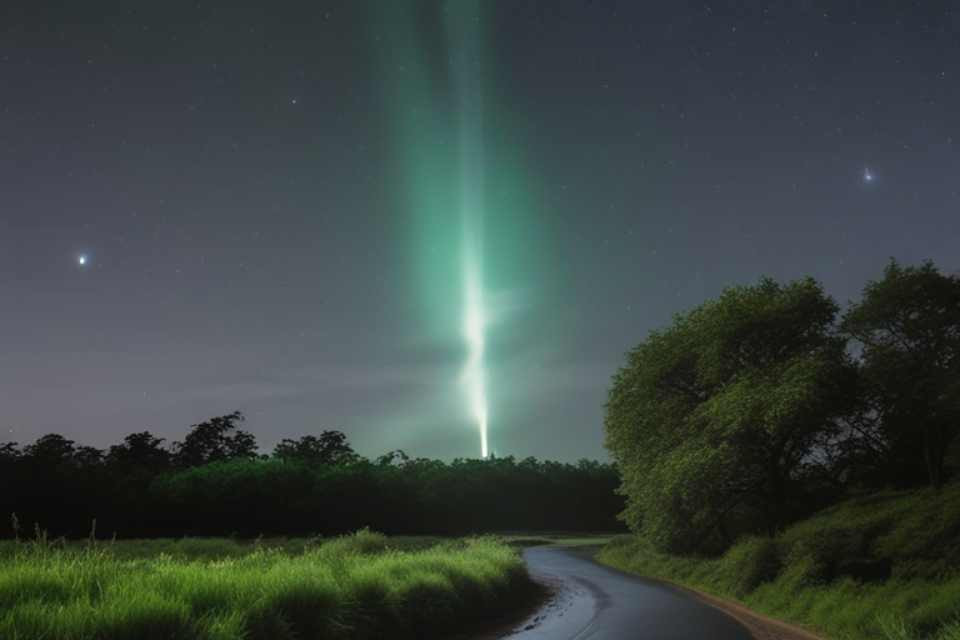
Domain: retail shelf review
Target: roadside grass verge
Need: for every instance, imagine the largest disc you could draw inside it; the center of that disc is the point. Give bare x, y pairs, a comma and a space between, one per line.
877, 567
359, 586
557, 538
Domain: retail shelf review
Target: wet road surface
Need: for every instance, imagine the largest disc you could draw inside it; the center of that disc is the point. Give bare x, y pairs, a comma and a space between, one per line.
595, 602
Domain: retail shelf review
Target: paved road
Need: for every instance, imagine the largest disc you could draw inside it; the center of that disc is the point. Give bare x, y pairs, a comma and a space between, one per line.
599, 603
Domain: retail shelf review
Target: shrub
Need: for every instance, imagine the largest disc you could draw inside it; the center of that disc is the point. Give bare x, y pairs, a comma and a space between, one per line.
750, 563
884, 566
816, 560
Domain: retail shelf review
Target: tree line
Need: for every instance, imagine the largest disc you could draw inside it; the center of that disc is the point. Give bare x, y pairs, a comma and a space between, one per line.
216, 482
766, 403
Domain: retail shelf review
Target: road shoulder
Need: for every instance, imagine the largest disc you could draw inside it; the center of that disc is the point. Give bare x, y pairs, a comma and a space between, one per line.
760, 626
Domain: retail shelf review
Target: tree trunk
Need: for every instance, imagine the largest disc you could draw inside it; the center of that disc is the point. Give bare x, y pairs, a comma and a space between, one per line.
773, 510
933, 455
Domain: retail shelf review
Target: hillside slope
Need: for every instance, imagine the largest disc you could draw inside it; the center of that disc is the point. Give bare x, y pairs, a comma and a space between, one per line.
878, 566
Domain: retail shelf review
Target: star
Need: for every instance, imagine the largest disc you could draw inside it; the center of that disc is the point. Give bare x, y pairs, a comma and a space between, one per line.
82, 259
868, 176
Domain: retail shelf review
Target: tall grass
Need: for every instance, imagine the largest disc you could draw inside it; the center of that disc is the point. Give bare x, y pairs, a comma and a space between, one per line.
879, 567
201, 548
357, 586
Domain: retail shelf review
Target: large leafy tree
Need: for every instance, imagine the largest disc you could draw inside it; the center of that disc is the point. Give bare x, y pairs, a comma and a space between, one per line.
330, 447
52, 448
908, 324
714, 420
140, 452
215, 440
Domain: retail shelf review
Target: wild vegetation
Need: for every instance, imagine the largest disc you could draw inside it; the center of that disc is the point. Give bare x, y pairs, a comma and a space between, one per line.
216, 483
359, 586
767, 448
801, 460
882, 566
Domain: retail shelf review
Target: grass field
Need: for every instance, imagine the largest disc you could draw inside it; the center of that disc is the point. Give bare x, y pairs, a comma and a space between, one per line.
879, 567
359, 586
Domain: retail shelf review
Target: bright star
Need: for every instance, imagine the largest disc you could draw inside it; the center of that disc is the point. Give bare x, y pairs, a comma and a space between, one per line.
82, 260
867, 175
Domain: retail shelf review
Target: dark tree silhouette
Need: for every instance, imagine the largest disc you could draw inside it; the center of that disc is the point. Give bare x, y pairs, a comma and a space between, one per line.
215, 440
9, 451
51, 450
744, 414
397, 456
139, 452
908, 324
331, 447
315, 485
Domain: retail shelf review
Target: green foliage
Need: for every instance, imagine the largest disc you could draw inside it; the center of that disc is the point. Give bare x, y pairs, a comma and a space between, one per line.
215, 440
331, 447
749, 403
884, 565
312, 486
363, 542
713, 420
209, 549
751, 562
357, 586
908, 324
819, 559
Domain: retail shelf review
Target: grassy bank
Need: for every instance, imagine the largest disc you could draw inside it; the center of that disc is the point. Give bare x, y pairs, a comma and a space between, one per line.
358, 586
883, 566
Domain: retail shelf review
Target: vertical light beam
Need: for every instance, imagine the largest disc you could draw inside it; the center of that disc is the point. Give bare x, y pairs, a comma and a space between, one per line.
462, 177
474, 375
464, 32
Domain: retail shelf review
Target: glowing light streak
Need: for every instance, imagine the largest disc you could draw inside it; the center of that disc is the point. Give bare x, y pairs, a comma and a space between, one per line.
463, 182
474, 375
467, 69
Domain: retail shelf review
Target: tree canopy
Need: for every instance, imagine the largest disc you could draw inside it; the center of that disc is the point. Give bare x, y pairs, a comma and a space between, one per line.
215, 440
215, 483
714, 419
908, 327
330, 447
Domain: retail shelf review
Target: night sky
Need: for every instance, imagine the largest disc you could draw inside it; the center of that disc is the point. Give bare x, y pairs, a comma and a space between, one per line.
206, 208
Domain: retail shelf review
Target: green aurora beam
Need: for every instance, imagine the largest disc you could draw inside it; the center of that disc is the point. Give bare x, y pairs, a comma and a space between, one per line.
463, 188
463, 31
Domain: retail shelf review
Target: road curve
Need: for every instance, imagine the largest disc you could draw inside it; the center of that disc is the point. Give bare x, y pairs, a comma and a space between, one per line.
595, 602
